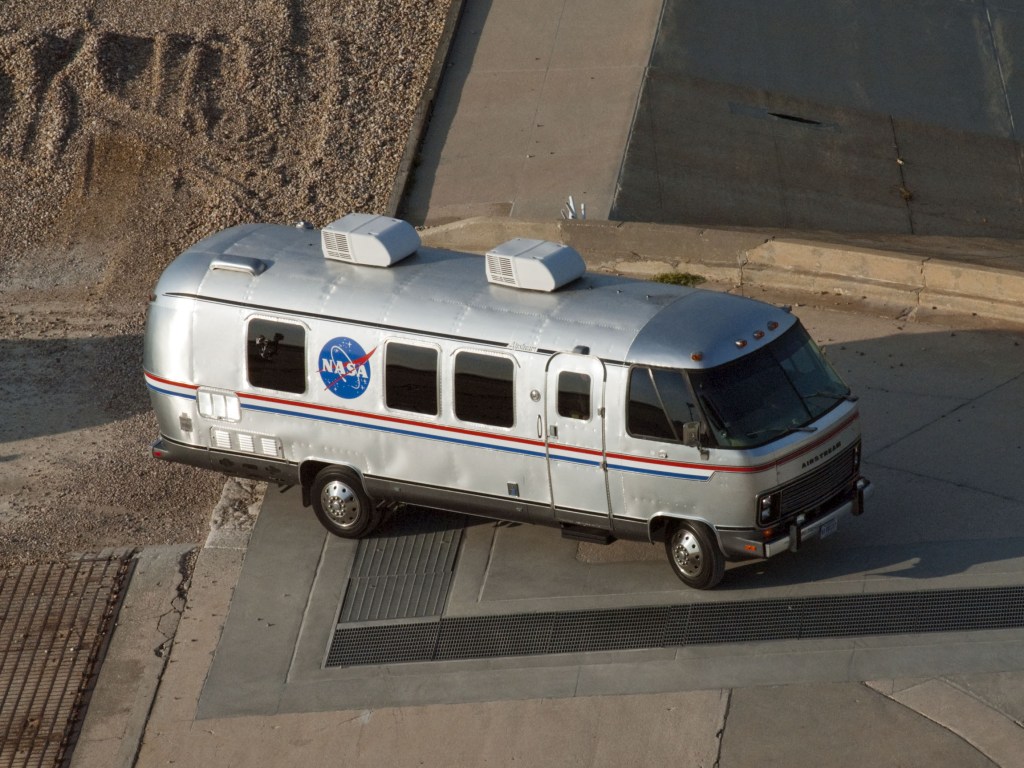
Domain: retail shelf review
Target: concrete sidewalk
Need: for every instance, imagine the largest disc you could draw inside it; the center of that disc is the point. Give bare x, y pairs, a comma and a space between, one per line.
536, 105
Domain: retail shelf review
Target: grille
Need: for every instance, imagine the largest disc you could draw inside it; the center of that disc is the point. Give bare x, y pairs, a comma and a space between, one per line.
500, 270
54, 623
407, 571
335, 245
452, 638
817, 487
221, 438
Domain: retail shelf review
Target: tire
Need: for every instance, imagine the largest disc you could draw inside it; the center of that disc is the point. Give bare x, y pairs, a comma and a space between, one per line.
694, 555
342, 505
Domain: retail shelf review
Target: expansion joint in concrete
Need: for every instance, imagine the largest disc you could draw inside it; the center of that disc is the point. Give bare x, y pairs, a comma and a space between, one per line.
720, 733
945, 726
167, 626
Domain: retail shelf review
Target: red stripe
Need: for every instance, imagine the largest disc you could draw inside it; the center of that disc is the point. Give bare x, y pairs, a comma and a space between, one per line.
149, 375
539, 443
393, 419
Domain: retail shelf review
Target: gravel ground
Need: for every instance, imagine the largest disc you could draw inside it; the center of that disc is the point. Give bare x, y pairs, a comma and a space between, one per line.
128, 130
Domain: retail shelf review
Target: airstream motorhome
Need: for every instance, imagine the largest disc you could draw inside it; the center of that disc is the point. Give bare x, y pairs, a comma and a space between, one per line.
369, 370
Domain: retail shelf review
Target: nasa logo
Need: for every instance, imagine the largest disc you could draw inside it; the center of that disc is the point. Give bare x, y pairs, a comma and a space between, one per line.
345, 367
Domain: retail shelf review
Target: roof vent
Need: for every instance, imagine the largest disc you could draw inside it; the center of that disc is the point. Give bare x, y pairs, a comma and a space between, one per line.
363, 238
535, 265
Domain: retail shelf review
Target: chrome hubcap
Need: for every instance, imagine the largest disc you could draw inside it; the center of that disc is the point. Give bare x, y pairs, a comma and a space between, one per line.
340, 503
686, 552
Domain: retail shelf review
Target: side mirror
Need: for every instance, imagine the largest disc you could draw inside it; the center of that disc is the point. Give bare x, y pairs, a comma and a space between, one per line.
692, 438
691, 434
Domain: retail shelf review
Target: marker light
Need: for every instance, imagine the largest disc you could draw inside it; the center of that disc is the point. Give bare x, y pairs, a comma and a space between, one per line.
697, 356
772, 325
741, 343
758, 334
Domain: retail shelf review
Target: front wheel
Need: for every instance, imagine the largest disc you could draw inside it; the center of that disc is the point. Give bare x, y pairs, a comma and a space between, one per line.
342, 505
694, 555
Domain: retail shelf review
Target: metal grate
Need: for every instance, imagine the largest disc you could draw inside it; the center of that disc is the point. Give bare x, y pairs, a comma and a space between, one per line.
383, 644
680, 625
406, 572
54, 622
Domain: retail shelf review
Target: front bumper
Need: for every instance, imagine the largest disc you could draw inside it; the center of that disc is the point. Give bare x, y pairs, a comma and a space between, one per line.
747, 544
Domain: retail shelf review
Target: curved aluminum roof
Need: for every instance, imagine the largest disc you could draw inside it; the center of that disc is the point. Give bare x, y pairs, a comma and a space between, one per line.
438, 292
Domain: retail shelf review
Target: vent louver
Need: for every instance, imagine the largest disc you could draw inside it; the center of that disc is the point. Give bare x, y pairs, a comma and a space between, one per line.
534, 265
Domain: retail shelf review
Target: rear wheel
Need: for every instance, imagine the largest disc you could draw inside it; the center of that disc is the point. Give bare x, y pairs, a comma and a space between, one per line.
694, 555
342, 505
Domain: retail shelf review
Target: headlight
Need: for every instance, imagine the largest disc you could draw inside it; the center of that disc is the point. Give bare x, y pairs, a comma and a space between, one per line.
767, 509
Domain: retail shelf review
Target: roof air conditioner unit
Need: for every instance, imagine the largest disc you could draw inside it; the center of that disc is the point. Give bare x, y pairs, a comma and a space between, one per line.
535, 265
363, 238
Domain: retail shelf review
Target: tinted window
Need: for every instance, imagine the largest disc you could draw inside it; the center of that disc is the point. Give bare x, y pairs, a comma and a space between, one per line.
660, 403
574, 395
410, 378
645, 417
484, 389
276, 355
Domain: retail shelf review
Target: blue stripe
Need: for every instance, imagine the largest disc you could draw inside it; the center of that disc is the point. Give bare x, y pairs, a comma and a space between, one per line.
471, 443
169, 392
658, 472
574, 460
392, 430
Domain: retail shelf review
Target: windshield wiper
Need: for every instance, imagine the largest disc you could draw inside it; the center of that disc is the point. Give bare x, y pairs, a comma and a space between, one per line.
849, 396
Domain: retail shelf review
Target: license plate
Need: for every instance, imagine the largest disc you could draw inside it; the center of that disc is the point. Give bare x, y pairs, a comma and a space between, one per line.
828, 527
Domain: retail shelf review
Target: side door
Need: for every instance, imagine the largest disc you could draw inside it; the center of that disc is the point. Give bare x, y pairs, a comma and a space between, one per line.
575, 439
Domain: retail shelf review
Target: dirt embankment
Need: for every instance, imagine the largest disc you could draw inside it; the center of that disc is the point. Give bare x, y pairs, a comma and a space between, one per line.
129, 130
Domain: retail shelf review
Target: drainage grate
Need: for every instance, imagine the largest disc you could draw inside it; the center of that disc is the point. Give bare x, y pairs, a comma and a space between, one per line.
54, 623
476, 637
406, 572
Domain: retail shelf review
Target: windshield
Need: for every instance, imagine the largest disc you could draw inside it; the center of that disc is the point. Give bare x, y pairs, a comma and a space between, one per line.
768, 393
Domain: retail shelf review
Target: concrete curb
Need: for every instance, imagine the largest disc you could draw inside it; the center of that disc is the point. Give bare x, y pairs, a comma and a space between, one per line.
904, 283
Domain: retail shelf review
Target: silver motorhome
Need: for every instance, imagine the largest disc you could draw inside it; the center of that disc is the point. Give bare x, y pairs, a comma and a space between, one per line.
369, 370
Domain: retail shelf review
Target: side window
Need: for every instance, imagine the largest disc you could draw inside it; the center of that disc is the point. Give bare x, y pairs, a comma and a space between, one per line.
574, 395
275, 355
659, 404
645, 417
484, 389
410, 378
